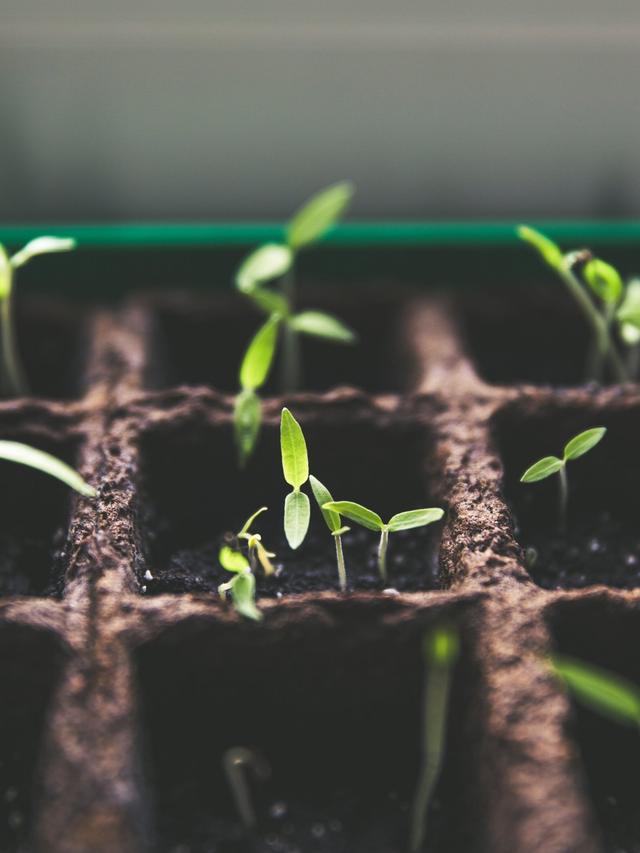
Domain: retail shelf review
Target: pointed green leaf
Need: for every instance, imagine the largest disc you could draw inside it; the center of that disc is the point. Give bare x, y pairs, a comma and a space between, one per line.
14, 451
6, 274
542, 469
604, 280
323, 496
318, 214
604, 692
414, 518
232, 561
246, 527
265, 263
358, 513
322, 325
582, 443
41, 246
550, 252
295, 463
297, 512
247, 417
258, 358
243, 594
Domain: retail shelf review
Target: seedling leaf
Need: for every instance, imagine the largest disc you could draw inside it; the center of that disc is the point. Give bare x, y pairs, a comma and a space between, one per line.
323, 496
358, 513
269, 301
249, 522
297, 512
267, 262
318, 214
258, 358
322, 325
628, 314
604, 280
41, 246
232, 561
247, 417
609, 694
243, 593
550, 252
582, 443
5, 274
542, 469
414, 518
295, 463
15, 451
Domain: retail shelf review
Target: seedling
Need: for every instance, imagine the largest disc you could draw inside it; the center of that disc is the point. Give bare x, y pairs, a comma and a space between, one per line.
295, 466
334, 523
15, 451
371, 520
604, 692
243, 586
440, 651
611, 310
237, 761
13, 379
549, 465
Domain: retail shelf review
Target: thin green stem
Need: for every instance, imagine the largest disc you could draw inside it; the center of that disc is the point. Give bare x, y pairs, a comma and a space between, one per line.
342, 571
382, 553
633, 361
14, 378
290, 369
563, 499
237, 761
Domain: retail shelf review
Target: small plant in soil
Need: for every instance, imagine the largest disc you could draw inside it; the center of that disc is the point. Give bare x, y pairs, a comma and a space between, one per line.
604, 692
295, 467
264, 265
237, 762
549, 465
611, 309
371, 520
440, 651
232, 558
334, 523
15, 451
13, 380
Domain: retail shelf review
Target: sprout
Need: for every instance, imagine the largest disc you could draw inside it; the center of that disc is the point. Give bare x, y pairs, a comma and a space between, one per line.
440, 650
295, 466
237, 760
549, 465
232, 558
332, 519
15, 451
13, 380
604, 692
371, 520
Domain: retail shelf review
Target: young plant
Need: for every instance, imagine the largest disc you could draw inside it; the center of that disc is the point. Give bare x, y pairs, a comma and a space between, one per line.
295, 466
604, 692
13, 381
15, 451
237, 761
334, 523
440, 650
243, 586
371, 520
610, 309
549, 465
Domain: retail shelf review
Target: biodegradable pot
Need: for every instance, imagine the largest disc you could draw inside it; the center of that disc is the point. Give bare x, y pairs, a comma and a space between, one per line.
126, 677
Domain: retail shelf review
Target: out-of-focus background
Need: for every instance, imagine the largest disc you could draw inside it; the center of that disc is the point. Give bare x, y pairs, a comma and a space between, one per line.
240, 108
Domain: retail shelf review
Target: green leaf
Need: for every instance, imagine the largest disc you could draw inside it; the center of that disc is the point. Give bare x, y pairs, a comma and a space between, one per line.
243, 594
318, 214
295, 463
269, 301
604, 280
582, 443
258, 358
246, 527
441, 646
265, 263
41, 246
605, 692
14, 451
297, 512
414, 518
6, 274
542, 469
247, 417
358, 513
232, 561
550, 252
322, 325
628, 314
323, 496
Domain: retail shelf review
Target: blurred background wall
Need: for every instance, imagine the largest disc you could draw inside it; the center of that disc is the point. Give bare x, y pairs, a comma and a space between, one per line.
239, 108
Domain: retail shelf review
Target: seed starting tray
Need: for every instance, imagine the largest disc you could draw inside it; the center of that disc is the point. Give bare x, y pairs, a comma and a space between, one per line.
118, 703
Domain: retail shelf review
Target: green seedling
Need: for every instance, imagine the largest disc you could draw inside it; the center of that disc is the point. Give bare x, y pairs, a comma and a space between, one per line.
295, 467
15, 451
237, 762
549, 465
611, 310
334, 523
232, 558
371, 520
440, 651
277, 261
604, 692
13, 380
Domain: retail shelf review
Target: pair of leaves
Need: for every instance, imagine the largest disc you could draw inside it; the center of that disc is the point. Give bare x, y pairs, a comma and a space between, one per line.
243, 594
15, 451
371, 520
604, 692
573, 449
38, 246
295, 467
